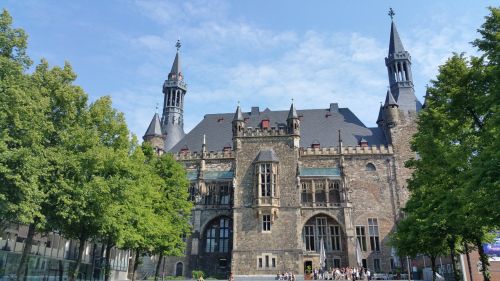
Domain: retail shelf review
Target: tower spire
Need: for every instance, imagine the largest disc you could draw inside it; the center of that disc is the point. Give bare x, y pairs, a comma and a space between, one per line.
398, 63
395, 44
174, 90
175, 71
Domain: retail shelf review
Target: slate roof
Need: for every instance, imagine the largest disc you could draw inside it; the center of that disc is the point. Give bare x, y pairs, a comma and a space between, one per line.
320, 125
395, 44
154, 128
389, 99
176, 66
174, 133
267, 155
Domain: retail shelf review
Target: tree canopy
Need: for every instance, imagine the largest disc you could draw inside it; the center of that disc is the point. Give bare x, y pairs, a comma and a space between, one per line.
74, 167
455, 184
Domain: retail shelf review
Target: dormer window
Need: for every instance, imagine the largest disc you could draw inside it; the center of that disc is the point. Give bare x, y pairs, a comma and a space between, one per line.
185, 149
265, 124
315, 144
363, 142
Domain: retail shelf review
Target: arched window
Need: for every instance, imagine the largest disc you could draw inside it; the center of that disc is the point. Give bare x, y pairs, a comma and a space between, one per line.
322, 229
334, 192
370, 167
218, 236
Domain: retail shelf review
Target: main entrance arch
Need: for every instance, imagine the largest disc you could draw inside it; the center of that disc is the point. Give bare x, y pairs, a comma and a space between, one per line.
322, 228
216, 246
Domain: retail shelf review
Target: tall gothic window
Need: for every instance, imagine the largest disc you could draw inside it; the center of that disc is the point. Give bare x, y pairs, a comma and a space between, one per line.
265, 179
218, 236
306, 194
334, 192
267, 176
374, 236
361, 236
320, 191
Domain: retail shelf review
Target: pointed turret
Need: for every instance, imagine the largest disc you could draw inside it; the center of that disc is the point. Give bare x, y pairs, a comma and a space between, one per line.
238, 123
238, 116
389, 100
174, 90
391, 110
154, 134
292, 113
380, 118
398, 64
154, 128
293, 122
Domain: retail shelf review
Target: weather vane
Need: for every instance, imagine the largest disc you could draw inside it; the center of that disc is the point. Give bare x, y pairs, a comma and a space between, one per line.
391, 13
178, 44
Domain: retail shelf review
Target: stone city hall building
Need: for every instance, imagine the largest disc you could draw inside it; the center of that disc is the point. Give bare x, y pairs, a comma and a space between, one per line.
268, 185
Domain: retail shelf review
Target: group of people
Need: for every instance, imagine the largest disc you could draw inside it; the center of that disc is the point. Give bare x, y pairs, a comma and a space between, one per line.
344, 273
290, 276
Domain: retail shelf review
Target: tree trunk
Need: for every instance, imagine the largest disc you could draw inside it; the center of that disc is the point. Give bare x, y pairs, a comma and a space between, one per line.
136, 263
466, 246
81, 248
453, 254
160, 258
107, 266
433, 267
484, 260
23, 264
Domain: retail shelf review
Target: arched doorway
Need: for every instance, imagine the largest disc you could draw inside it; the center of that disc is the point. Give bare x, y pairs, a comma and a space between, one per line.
216, 247
179, 268
324, 228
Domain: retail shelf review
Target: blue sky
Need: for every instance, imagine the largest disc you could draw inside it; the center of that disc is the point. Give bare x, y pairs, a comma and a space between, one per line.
261, 53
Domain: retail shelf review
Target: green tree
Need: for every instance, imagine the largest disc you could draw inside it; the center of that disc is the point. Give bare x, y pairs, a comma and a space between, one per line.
37, 110
93, 173
142, 223
457, 143
174, 208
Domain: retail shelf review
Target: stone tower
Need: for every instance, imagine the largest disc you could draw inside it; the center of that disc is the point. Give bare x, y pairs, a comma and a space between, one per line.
293, 125
398, 116
398, 63
154, 135
391, 110
174, 89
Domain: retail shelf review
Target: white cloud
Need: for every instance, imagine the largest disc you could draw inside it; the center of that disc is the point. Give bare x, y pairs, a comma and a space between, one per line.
231, 60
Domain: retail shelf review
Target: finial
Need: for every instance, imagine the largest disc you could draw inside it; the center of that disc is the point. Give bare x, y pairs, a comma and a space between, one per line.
204, 139
380, 103
157, 105
238, 103
391, 13
178, 44
292, 100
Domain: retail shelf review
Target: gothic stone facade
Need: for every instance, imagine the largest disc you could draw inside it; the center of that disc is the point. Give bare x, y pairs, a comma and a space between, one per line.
272, 187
